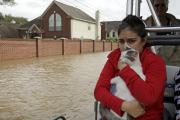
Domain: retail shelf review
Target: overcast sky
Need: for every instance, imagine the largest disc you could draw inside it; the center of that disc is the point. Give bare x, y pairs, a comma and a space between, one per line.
109, 9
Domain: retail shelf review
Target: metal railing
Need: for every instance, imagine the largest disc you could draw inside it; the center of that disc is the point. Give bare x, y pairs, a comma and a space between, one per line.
163, 29
173, 40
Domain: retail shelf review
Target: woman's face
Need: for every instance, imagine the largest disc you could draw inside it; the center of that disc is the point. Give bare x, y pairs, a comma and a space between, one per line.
128, 38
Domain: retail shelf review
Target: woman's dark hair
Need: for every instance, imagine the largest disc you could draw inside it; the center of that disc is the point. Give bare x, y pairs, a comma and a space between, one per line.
134, 24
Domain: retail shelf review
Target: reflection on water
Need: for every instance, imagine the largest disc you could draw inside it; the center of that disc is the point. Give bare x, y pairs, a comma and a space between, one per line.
44, 88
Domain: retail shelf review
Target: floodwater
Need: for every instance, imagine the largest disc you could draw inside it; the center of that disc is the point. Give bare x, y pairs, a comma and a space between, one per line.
45, 88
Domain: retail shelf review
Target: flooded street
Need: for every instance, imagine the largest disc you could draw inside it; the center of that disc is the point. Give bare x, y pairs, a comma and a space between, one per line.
45, 88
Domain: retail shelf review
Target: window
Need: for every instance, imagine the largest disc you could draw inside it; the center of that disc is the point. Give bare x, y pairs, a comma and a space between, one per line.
51, 23
89, 27
58, 22
107, 34
55, 22
114, 34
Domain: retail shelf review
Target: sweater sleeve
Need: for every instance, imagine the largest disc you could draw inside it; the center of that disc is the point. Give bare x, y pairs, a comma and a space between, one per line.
149, 91
102, 89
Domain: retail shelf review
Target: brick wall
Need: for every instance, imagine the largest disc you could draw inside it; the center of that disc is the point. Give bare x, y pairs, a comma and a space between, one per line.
107, 46
98, 46
71, 47
87, 46
66, 23
114, 45
50, 47
19, 48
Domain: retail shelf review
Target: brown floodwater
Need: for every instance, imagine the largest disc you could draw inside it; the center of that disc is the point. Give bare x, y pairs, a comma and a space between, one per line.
45, 88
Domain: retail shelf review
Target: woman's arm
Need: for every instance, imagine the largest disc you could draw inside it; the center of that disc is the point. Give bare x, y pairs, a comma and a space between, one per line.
102, 89
146, 92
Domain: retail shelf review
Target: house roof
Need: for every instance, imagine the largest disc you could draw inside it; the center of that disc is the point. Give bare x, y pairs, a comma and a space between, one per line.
73, 12
8, 30
178, 20
111, 25
35, 28
36, 21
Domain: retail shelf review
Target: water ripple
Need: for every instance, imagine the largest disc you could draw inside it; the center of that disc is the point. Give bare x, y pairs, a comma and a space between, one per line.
44, 88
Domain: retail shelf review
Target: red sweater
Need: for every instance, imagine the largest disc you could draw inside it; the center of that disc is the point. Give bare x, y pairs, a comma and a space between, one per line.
149, 92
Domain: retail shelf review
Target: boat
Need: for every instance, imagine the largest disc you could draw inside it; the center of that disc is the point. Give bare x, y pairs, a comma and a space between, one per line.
163, 40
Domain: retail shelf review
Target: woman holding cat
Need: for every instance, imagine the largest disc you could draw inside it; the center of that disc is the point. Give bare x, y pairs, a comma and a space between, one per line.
149, 93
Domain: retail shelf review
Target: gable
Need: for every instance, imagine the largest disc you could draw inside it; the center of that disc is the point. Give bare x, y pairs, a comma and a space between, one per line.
34, 28
73, 12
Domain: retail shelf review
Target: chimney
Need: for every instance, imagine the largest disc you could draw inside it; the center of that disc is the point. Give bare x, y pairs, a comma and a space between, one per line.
98, 26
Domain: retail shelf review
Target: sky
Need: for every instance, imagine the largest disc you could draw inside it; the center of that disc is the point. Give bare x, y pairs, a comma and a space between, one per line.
110, 10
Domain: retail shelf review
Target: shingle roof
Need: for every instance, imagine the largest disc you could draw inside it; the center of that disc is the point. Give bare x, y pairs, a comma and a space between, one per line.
69, 10
74, 12
8, 30
36, 21
178, 20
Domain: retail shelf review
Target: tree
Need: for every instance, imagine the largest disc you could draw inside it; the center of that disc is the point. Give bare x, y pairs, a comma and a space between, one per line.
1, 17
20, 20
17, 20
8, 18
7, 2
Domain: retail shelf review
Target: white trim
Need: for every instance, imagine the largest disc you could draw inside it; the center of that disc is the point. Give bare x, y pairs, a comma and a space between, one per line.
84, 20
53, 2
34, 25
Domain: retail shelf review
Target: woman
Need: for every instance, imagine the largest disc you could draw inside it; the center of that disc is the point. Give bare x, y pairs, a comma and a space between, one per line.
148, 93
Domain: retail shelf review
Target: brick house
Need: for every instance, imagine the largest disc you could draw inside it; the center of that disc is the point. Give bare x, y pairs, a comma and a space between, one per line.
109, 29
31, 29
61, 21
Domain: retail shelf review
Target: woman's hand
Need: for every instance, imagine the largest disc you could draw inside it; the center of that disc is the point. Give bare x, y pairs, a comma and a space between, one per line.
133, 108
121, 65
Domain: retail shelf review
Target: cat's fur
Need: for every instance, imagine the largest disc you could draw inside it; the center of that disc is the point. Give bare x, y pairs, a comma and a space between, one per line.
119, 87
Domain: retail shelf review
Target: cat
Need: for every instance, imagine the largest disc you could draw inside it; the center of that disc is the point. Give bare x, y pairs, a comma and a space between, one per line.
119, 87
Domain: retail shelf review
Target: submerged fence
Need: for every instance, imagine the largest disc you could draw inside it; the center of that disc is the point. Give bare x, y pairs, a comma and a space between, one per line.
20, 49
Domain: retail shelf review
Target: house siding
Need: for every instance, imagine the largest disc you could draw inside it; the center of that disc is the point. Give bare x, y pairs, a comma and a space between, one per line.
65, 32
79, 29
109, 29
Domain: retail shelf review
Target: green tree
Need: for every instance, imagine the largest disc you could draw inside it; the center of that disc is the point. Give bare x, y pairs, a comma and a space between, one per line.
7, 2
112, 39
1, 17
17, 20
20, 20
8, 18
